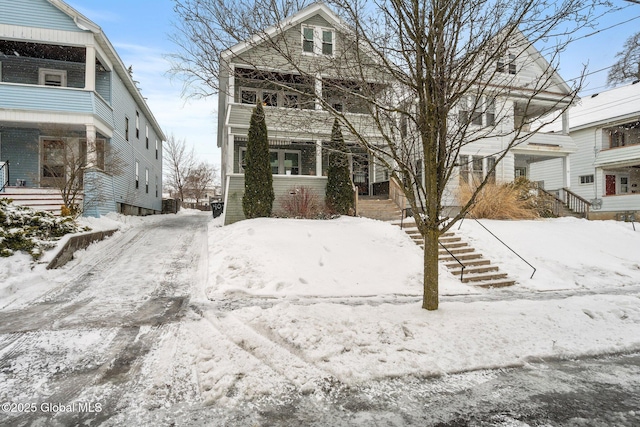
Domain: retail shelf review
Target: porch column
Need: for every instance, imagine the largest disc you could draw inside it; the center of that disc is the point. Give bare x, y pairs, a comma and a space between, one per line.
90, 69
92, 156
318, 91
565, 123
566, 172
318, 157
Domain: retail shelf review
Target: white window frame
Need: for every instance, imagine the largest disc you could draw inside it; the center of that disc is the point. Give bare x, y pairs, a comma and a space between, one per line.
146, 134
627, 185
250, 89
43, 72
318, 40
587, 179
137, 125
137, 175
146, 180
281, 158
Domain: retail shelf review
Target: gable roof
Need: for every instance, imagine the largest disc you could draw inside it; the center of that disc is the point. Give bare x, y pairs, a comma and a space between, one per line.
318, 8
614, 105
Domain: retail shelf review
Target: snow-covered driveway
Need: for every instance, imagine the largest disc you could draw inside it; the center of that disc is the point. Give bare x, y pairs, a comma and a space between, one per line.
92, 338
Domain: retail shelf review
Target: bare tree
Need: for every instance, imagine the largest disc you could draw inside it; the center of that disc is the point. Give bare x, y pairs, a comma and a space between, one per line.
75, 165
199, 180
627, 67
179, 162
423, 71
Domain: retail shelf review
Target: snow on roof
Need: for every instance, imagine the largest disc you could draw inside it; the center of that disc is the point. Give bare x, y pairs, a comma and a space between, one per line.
605, 107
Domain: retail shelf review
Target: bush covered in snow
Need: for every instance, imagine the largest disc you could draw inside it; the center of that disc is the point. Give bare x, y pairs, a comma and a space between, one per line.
28, 230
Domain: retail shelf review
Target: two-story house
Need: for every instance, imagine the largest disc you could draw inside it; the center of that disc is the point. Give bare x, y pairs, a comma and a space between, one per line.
296, 69
64, 89
296, 95
605, 170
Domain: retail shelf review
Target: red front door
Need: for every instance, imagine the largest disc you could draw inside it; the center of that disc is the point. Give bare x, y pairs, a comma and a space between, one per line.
610, 187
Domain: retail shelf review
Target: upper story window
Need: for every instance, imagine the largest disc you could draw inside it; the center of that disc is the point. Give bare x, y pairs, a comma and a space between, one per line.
479, 111
126, 128
317, 40
507, 64
48, 77
137, 125
146, 135
623, 135
307, 39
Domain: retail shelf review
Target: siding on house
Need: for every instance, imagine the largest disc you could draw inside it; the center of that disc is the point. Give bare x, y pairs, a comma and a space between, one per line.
35, 13
282, 185
24, 146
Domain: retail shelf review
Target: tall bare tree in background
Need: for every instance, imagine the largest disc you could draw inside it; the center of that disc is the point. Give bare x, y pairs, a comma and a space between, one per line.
200, 179
409, 64
179, 161
627, 67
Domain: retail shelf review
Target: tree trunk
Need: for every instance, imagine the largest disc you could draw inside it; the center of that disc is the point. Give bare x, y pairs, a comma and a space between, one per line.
430, 294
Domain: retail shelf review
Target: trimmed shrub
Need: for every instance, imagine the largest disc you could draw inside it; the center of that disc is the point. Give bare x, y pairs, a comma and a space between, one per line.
339, 192
258, 182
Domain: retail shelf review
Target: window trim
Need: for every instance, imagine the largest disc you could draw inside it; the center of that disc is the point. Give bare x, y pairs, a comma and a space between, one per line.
126, 128
146, 131
137, 174
137, 124
42, 73
281, 159
587, 179
146, 180
318, 35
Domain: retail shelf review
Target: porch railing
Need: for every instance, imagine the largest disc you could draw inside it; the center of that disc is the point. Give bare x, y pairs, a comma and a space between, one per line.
564, 198
4, 175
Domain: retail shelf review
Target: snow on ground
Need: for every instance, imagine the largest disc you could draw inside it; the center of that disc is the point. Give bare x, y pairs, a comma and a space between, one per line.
319, 272
291, 303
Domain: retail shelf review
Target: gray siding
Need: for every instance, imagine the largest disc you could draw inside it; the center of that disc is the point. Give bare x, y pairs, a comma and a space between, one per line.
35, 13
282, 185
98, 194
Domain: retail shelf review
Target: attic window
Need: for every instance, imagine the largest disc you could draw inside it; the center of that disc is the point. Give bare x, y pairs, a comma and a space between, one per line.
307, 42
318, 41
507, 64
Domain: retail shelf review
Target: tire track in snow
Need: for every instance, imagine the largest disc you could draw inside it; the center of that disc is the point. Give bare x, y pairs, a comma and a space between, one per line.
306, 376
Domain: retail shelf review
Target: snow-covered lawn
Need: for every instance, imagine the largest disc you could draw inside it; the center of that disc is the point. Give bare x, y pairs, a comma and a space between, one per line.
346, 295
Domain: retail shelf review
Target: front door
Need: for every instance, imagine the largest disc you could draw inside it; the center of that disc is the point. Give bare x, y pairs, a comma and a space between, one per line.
610, 185
52, 162
361, 174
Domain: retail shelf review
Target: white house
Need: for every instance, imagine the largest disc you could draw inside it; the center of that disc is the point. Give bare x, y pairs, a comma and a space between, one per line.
64, 87
606, 168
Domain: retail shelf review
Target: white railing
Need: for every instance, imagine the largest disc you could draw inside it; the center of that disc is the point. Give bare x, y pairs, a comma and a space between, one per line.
4, 175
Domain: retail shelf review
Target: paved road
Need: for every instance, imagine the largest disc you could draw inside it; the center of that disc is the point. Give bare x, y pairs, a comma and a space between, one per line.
118, 340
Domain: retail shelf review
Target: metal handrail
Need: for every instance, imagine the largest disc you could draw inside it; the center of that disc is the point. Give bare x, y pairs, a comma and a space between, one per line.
457, 260
405, 214
498, 239
5, 182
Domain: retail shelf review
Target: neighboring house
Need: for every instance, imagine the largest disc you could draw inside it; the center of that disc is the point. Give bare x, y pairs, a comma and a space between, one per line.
64, 87
298, 126
606, 168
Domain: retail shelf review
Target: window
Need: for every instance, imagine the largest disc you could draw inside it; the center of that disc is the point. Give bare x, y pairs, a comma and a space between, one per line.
53, 160
49, 77
269, 99
477, 169
507, 64
146, 180
586, 179
324, 44
99, 149
624, 135
146, 134
464, 169
156, 148
126, 128
291, 100
307, 39
490, 114
137, 125
249, 96
156, 185
624, 184
283, 162
327, 42
137, 174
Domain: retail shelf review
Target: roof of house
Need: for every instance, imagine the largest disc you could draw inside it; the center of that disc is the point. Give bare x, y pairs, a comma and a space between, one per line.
317, 8
611, 106
86, 24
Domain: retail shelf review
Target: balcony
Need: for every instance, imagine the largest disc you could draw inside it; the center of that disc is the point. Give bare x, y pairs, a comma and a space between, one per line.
547, 144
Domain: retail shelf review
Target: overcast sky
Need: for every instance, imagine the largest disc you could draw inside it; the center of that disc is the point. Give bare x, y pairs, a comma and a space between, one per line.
139, 30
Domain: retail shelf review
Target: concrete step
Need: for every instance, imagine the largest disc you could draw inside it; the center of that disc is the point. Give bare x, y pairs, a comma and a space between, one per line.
483, 277
456, 270
468, 263
454, 245
456, 251
495, 284
461, 257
